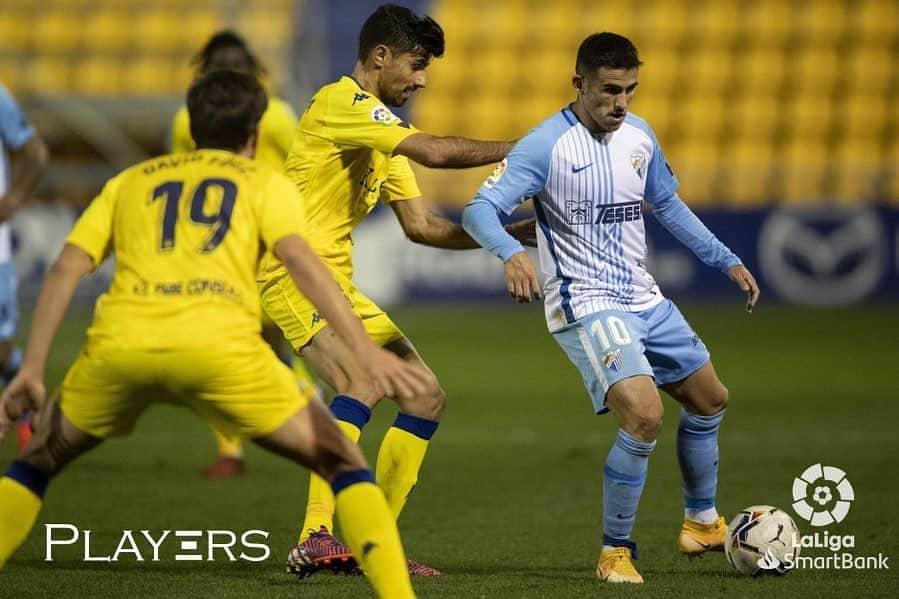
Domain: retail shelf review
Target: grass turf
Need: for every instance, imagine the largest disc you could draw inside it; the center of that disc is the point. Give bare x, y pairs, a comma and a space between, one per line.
510, 497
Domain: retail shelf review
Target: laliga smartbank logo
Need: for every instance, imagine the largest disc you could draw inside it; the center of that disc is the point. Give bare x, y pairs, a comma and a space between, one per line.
145, 545
822, 495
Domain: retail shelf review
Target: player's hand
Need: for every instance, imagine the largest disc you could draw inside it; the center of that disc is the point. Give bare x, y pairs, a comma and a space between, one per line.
521, 278
524, 231
395, 377
25, 392
740, 275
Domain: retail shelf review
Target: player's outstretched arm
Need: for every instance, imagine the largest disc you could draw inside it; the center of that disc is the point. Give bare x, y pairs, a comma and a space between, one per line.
395, 376
681, 222
452, 152
424, 226
26, 390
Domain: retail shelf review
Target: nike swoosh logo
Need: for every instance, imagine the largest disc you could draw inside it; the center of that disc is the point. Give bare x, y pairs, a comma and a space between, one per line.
575, 169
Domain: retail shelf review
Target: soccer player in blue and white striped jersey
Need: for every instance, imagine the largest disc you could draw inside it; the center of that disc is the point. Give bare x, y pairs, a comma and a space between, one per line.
590, 169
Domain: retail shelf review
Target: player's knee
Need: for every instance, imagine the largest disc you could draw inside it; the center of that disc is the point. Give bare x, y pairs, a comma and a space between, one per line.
720, 399
647, 424
715, 401
429, 404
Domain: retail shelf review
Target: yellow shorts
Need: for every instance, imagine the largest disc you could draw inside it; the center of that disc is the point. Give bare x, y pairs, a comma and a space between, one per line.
300, 321
244, 390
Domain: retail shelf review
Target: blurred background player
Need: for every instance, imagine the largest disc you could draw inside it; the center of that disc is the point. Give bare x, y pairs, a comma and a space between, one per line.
22, 156
349, 153
185, 283
228, 51
591, 167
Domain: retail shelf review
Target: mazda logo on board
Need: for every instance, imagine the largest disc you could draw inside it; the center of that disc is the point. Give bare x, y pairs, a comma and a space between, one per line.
823, 256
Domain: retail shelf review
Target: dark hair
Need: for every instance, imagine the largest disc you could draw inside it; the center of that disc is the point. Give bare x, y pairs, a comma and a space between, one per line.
402, 31
608, 50
225, 108
219, 41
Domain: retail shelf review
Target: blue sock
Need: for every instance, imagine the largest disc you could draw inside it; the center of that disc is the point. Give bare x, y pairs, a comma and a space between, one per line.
623, 479
697, 453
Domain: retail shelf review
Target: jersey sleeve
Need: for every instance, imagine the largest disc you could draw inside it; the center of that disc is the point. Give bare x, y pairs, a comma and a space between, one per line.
280, 212
660, 180
15, 131
358, 120
283, 122
181, 141
400, 183
521, 175
93, 232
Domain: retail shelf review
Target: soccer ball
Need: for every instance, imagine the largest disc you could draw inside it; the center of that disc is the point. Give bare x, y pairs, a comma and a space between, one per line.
762, 540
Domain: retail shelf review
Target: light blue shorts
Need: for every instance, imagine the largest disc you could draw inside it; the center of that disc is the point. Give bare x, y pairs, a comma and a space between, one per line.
9, 304
612, 345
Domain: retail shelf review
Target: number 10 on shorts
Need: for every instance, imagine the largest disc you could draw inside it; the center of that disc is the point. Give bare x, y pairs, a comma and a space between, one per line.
614, 330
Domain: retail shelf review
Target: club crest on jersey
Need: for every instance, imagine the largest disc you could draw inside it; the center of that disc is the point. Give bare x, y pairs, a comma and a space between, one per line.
638, 161
494, 177
381, 114
614, 360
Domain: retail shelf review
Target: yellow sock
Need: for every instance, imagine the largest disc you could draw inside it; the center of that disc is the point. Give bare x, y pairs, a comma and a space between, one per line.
370, 531
400, 457
20, 501
228, 445
351, 416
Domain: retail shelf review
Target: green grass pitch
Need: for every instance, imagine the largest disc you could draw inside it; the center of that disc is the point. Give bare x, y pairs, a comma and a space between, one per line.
509, 500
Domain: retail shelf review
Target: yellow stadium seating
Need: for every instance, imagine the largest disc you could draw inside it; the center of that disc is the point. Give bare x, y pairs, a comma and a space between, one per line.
99, 76
107, 30
14, 31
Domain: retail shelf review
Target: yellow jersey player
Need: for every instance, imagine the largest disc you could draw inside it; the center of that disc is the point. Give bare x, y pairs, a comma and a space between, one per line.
227, 50
350, 152
181, 323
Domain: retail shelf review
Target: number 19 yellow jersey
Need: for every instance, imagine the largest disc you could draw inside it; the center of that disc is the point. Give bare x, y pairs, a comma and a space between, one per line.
187, 231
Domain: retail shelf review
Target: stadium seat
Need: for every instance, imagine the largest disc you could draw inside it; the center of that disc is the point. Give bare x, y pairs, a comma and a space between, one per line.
769, 22
709, 71
809, 117
664, 22
876, 21
869, 69
49, 74
747, 167
56, 32
107, 31
696, 166
14, 32
155, 31
716, 24
702, 117
822, 21
803, 167
817, 68
762, 70
99, 76
148, 76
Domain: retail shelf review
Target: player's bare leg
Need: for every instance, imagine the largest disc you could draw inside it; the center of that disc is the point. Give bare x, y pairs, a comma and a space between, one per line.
312, 438
703, 399
56, 442
637, 407
404, 445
